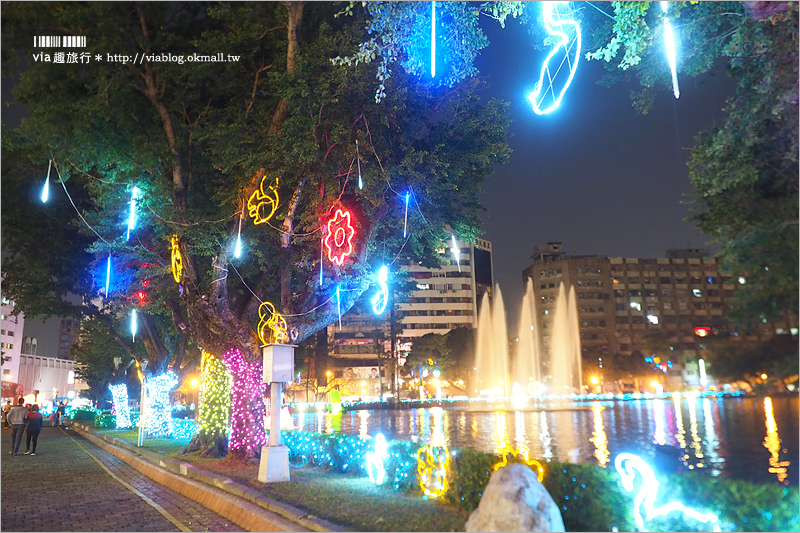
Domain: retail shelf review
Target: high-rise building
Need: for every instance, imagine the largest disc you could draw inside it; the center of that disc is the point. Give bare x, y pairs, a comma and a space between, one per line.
67, 335
11, 343
441, 299
628, 305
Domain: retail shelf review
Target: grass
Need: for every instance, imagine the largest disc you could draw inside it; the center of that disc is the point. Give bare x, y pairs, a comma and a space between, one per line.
350, 501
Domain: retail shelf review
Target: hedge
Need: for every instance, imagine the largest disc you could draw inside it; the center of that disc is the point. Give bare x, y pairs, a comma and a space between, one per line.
590, 497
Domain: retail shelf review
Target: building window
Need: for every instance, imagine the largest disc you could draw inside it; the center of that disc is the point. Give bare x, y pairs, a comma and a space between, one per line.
697, 293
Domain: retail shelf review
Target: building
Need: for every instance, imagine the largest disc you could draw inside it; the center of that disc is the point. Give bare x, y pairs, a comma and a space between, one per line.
68, 333
626, 305
11, 344
448, 297
38, 378
441, 299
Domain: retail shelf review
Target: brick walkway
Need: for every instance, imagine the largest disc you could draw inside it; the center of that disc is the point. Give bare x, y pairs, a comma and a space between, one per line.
63, 489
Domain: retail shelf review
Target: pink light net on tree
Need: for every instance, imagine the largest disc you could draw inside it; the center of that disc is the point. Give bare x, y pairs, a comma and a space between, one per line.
247, 404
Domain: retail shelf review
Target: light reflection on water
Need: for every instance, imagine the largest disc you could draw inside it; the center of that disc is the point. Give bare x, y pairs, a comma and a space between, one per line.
745, 438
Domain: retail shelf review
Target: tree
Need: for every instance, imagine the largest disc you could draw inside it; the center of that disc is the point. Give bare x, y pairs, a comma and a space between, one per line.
745, 172
200, 140
99, 360
730, 361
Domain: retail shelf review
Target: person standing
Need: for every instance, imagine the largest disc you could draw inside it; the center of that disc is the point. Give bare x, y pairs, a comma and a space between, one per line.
16, 417
33, 428
60, 412
6, 409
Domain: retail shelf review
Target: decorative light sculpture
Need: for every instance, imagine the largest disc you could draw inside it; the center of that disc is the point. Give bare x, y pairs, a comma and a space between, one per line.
336, 402
135, 195
433, 464
554, 24
159, 409
271, 319
433, 39
119, 397
379, 300
262, 205
339, 240
108, 274
133, 325
213, 413
405, 221
456, 251
703, 378
247, 403
627, 465
358, 162
177, 258
523, 451
339, 306
375, 459
237, 249
669, 40
46, 188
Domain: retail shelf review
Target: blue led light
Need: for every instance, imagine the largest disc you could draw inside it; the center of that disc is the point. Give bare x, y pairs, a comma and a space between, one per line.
382, 297
135, 194
108, 274
433, 39
456, 251
540, 92
46, 188
405, 222
133, 325
669, 39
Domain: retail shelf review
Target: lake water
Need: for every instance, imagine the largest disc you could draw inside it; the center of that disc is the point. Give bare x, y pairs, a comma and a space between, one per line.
743, 438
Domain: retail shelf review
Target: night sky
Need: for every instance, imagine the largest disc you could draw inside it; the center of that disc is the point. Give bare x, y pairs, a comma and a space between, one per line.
593, 174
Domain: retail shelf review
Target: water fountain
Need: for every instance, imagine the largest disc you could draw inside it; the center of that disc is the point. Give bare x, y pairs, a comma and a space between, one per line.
491, 358
563, 375
565, 345
527, 364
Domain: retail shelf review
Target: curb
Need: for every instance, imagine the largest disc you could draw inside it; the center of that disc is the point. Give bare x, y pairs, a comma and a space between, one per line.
243, 505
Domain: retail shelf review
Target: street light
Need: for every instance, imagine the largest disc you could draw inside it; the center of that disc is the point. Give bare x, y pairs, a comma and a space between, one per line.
763, 376
594, 380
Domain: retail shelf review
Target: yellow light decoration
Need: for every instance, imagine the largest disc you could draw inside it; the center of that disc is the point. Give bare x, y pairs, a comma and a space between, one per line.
262, 205
274, 321
215, 396
433, 465
523, 451
177, 258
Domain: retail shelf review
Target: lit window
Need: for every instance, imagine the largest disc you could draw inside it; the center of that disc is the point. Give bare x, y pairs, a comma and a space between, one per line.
653, 319
702, 331
697, 293
636, 305
741, 280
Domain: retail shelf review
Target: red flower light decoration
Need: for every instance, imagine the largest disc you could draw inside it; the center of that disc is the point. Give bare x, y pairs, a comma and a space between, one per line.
339, 240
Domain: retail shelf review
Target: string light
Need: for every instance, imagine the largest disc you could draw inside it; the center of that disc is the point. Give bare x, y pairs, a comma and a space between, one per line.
649, 490
379, 300
405, 221
339, 307
46, 188
523, 451
247, 403
274, 321
339, 240
433, 39
375, 459
159, 415
539, 91
133, 325
358, 161
213, 413
456, 251
262, 205
669, 40
108, 274
135, 195
177, 258
119, 398
237, 249
433, 464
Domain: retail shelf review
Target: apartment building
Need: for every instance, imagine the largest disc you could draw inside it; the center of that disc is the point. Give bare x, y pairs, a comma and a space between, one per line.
624, 303
11, 344
441, 299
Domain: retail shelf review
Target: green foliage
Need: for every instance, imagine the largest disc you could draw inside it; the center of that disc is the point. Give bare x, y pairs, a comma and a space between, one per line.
401, 32
469, 475
631, 33
84, 414
105, 421
94, 354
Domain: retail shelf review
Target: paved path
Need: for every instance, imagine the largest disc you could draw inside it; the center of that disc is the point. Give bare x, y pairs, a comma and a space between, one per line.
63, 488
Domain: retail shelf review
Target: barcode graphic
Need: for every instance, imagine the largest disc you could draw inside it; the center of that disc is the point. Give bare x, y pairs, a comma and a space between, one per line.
59, 41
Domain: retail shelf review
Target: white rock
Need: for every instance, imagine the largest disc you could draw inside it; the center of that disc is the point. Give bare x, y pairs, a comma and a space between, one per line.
515, 500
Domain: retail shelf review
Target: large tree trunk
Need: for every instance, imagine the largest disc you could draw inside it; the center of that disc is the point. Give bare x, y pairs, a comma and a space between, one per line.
248, 434
214, 410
